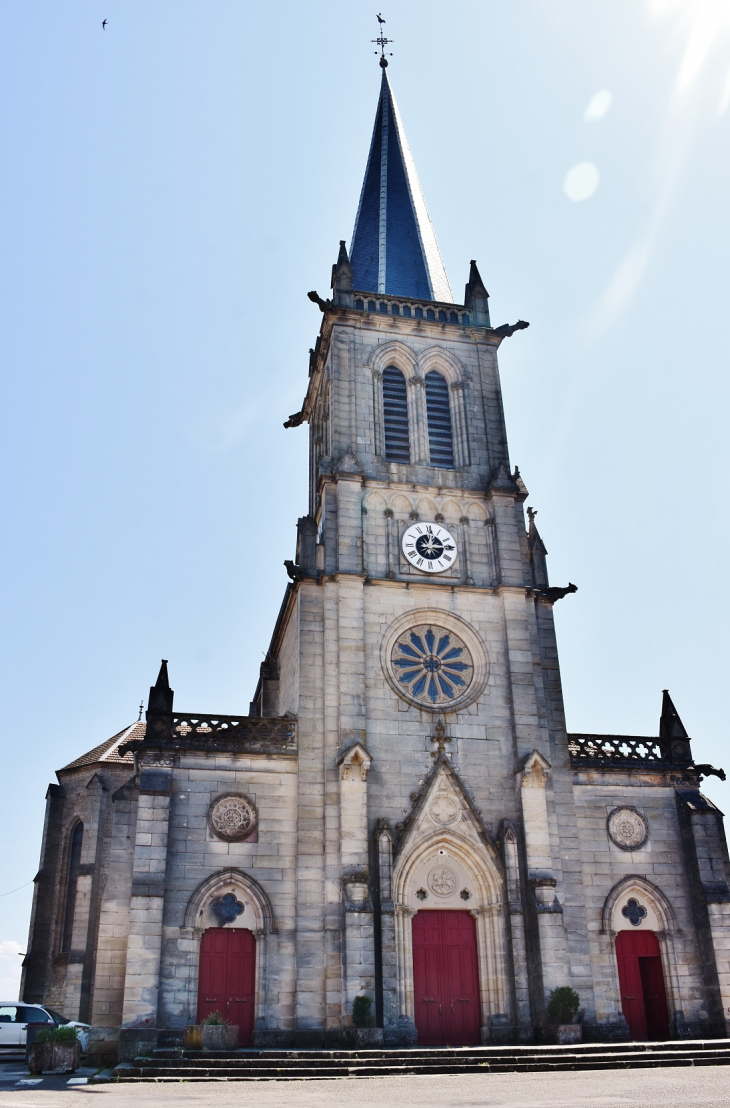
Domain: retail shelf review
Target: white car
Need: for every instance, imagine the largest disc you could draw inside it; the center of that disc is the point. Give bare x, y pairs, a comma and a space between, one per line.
15, 1017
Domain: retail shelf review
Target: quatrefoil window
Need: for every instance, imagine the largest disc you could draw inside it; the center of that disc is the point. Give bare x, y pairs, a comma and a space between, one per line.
634, 912
227, 909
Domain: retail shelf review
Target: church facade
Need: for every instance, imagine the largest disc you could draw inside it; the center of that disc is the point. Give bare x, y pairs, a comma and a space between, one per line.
401, 815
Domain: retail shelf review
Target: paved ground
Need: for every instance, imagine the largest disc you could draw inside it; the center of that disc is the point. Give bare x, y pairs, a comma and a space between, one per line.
703, 1087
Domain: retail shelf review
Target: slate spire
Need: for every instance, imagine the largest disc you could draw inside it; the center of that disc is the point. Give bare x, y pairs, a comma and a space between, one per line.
394, 250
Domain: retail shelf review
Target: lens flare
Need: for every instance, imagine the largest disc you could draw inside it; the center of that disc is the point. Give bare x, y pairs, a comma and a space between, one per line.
581, 181
598, 105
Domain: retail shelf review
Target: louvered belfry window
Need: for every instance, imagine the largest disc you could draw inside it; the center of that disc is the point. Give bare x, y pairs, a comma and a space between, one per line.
395, 416
440, 437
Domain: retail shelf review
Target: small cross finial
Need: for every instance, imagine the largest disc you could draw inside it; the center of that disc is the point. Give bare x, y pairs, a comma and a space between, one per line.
382, 42
141, 709
440, 738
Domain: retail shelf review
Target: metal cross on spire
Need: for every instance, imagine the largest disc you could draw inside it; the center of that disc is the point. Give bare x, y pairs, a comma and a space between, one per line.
382, 42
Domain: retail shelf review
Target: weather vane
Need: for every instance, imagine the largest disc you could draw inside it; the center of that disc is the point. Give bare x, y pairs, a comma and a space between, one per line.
382, 42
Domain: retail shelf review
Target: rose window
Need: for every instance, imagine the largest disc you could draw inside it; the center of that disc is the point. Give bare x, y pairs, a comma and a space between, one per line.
432, 664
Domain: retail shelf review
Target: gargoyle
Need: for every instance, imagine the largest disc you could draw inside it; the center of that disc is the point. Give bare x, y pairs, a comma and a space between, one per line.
323, 305
706, 770
506, 329
295, 420
296, 573
555, 593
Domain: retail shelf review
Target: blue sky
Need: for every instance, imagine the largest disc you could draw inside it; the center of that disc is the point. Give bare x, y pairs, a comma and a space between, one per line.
173, 186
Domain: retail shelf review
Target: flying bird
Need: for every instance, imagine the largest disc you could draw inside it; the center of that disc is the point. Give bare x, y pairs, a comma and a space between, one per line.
103, 25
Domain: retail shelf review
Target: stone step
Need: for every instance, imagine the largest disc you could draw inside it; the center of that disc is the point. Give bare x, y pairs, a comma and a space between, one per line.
251, 1069
412, 1053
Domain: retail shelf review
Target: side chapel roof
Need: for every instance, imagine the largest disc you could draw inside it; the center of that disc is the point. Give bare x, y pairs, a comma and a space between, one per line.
108, 751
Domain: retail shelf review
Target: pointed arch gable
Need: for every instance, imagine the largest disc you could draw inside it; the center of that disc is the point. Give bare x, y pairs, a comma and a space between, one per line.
396, 354
375, 502
452, 511
423, 878
465, 839
442, 361
426, 508
636, 883
231, 880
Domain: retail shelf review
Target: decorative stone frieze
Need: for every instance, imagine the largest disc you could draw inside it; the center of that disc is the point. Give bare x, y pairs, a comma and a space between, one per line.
443, 810
627, 828
232, 817
442, 881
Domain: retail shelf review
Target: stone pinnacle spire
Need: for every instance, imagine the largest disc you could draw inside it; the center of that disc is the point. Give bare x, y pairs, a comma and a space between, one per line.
394, 250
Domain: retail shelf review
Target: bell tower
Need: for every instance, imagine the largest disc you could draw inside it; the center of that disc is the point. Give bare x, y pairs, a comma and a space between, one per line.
429, 607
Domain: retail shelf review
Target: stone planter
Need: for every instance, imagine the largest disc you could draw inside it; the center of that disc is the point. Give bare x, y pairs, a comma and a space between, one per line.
211, 1036
54, 1056
569, 1033
66, 1056
40, 1057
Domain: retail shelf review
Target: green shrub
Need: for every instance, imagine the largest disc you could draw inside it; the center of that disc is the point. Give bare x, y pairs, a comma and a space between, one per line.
62, 1034
563, 1005
215, 1019
362, 1011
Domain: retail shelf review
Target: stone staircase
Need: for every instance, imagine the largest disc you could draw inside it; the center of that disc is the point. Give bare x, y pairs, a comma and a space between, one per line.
288, 1065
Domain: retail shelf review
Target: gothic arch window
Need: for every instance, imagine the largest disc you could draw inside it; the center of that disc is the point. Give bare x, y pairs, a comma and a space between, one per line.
74, 862
438, 410
395, 416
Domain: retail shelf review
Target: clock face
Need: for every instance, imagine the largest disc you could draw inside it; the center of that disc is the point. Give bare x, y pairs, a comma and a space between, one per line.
429, 547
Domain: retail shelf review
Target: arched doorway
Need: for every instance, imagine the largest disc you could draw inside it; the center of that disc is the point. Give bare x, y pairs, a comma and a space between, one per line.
448, 890
446, 978
641, 980
227, 978
641, 924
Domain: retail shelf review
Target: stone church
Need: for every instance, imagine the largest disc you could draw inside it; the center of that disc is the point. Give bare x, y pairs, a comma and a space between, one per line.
401, 814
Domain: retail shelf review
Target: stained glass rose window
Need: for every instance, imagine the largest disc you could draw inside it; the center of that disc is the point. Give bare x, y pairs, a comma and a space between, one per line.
432, 665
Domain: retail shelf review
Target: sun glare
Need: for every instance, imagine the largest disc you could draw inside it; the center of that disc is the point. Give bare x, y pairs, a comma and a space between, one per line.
703, 29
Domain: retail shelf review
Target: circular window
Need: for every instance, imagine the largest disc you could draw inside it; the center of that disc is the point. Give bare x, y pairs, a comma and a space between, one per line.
436, 663
232, 817
432, 664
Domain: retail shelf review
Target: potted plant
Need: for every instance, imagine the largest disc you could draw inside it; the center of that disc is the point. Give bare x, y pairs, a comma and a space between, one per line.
362, 1018
216, 1033
562, 1009
55, 1048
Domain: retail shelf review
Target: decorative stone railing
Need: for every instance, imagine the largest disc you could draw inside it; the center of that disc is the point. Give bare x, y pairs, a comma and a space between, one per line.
387, 305
620, 751
205, 731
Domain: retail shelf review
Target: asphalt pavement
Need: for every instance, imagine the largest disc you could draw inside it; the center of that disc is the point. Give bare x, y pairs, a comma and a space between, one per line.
691, 1087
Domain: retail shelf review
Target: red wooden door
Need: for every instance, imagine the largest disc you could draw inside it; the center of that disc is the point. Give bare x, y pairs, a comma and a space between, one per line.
446, 978
227, 977
643, 999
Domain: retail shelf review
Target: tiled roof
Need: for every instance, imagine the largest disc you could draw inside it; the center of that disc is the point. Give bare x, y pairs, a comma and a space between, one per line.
394, 250
108, 751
